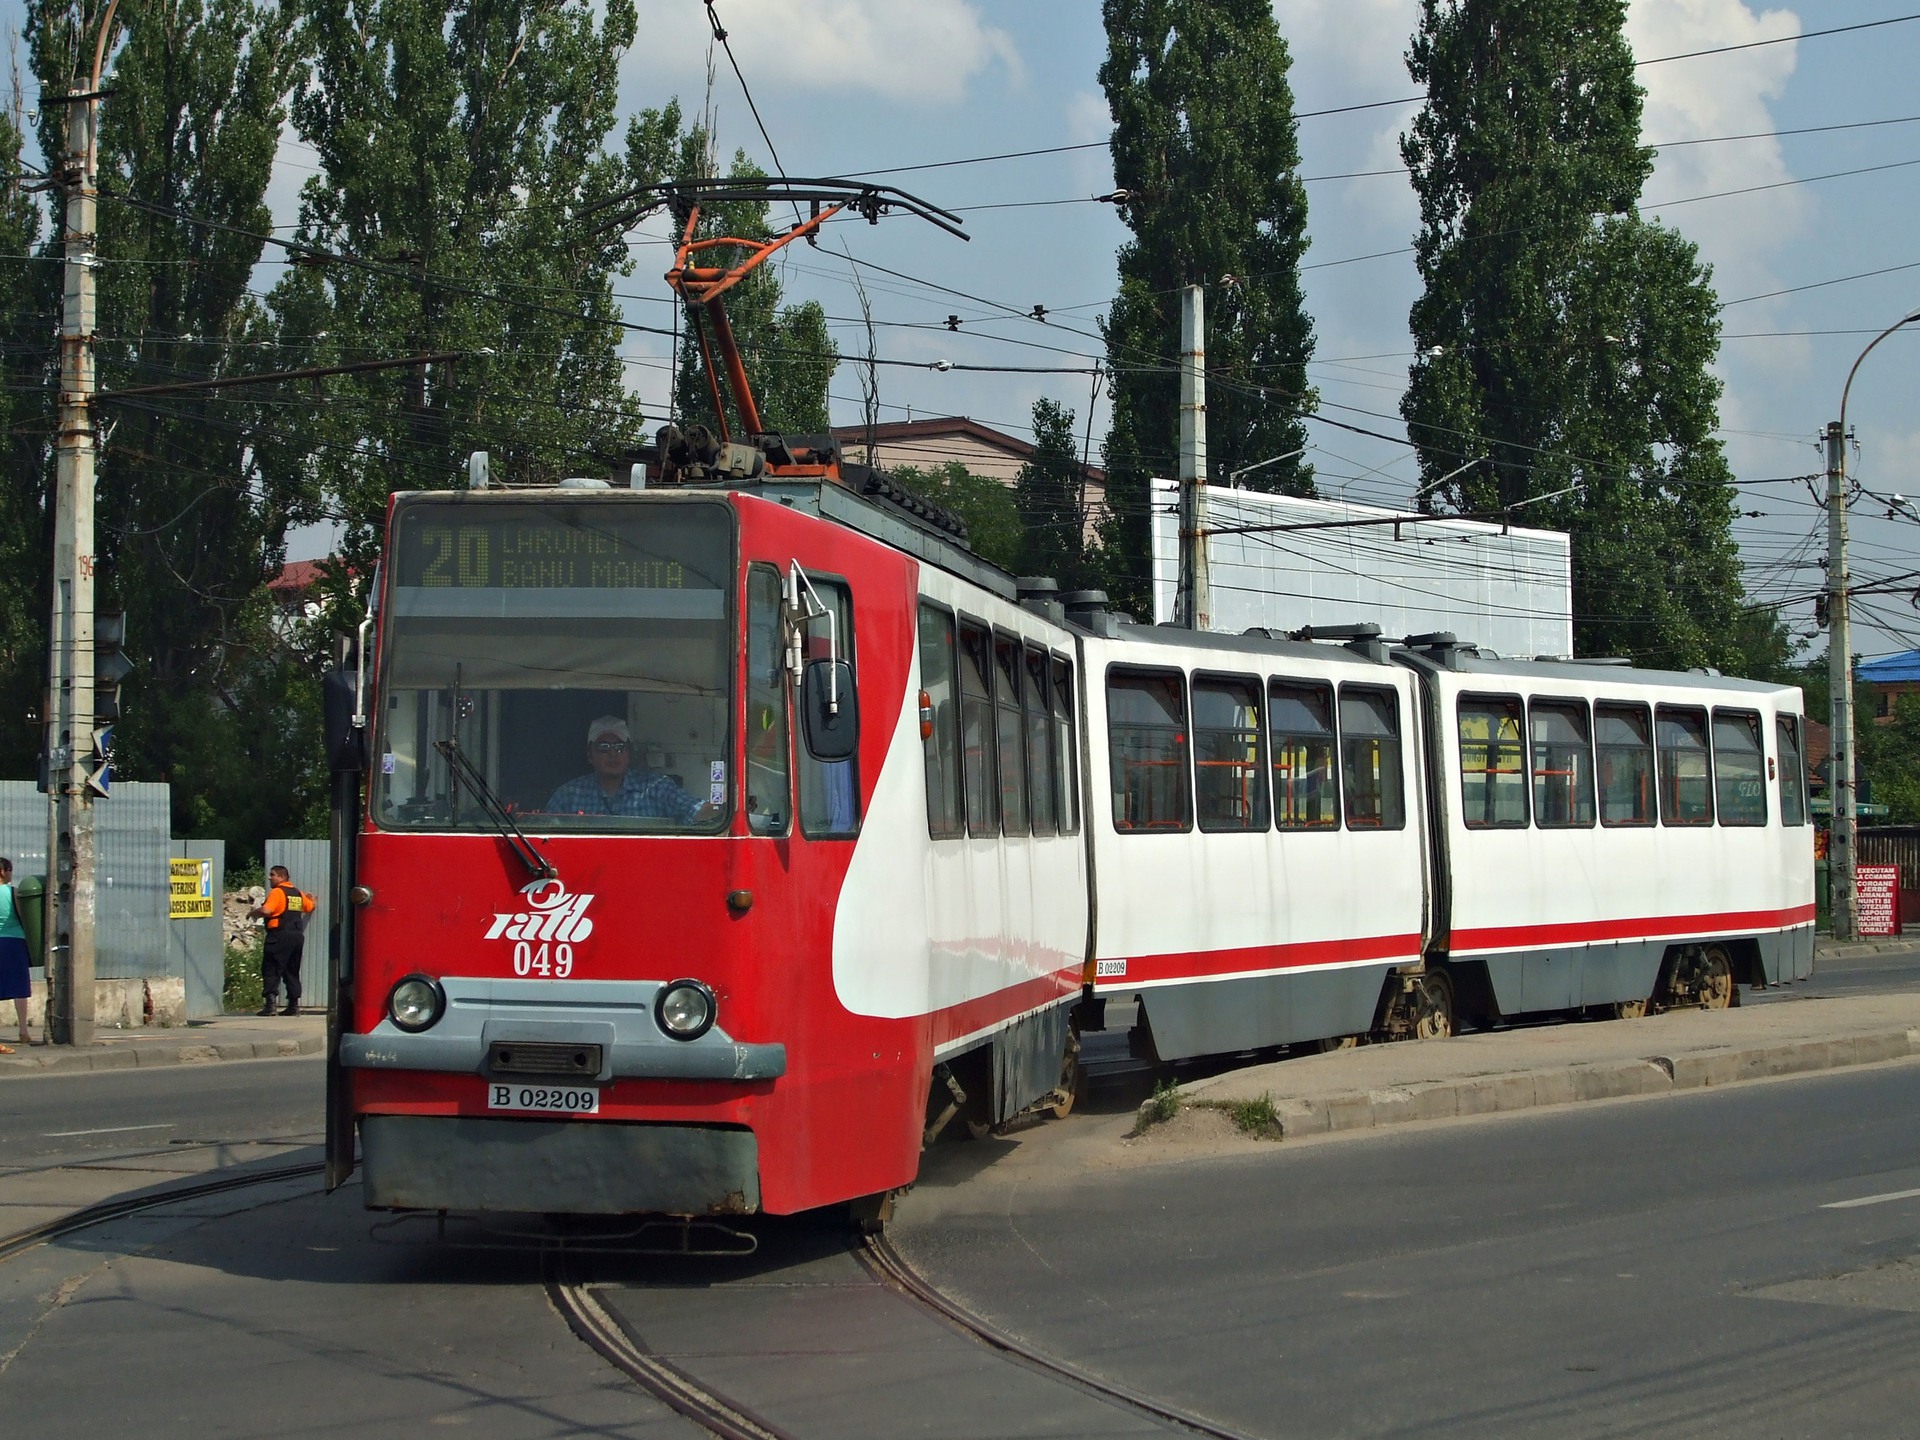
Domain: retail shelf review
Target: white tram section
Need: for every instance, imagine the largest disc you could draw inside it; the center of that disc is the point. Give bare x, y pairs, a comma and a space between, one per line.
1257, 830
982, 932
1593, 817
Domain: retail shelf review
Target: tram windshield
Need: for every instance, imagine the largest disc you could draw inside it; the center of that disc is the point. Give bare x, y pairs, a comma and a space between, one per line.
576, 651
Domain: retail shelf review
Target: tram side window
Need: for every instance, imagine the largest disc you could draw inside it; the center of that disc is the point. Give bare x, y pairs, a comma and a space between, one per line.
1230, 786
940, 726
1041, 762
1562, 765
1147, 742
976, 731
830, 789
1306, 789
1493, 772
1623, 738
1065, 769
1012, 731
1376, 789
1793, 771
1739, 768
1686, 768
769, 770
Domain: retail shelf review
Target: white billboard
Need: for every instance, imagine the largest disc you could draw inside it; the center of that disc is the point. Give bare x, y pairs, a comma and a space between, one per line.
1505, 589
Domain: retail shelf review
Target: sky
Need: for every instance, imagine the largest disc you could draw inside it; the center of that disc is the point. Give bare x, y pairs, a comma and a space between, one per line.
854, 86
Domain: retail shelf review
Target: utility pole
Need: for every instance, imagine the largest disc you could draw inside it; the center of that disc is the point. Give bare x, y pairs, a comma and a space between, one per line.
1841, 828
1194, 606
70, 732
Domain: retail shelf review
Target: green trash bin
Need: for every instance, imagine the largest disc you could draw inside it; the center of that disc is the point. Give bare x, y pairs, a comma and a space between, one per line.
30, 903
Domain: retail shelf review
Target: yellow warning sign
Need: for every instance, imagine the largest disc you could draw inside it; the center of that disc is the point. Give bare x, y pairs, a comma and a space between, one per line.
190, 890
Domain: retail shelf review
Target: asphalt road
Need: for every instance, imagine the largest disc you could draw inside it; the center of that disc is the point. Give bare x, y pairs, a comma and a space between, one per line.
1652, 1268
50, 1118
1894, 973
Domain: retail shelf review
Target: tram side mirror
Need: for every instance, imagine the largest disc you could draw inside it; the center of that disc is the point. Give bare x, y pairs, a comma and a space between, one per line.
830, 710
345, 742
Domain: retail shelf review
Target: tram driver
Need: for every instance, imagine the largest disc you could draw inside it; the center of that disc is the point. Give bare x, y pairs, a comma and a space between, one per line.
612, 786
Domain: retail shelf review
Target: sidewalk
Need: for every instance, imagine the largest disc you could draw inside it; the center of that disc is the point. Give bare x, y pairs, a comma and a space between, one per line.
1825, 949
1521, 1069
231, 1037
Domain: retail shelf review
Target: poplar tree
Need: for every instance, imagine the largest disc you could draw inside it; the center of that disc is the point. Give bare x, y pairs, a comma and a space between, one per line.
1204, 146
1047, 492
188, 524
463, 150
1564, 343
26, 291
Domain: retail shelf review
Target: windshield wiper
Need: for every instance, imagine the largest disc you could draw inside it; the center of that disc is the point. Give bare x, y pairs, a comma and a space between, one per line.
464, 771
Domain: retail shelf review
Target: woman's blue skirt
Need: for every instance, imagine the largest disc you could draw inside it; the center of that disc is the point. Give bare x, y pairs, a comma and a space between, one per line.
15, 984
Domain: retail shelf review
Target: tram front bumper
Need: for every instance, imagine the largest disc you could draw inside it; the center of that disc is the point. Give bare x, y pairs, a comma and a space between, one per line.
474, 1163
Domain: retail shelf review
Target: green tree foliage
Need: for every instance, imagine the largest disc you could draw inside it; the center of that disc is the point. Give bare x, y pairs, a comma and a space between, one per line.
27, 291
460, 144
1564, 342
789, 356
988, 507
1204, 142
1047, 494
188, 524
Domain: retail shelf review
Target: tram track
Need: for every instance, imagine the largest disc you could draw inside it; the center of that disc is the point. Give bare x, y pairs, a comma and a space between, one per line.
107, 1211
600, 1328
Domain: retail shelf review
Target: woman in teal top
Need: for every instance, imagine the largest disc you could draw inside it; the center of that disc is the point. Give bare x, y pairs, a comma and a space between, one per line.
15, 984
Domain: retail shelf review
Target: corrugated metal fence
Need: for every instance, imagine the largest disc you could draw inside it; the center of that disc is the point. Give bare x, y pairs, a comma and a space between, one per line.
133, 833
310, 864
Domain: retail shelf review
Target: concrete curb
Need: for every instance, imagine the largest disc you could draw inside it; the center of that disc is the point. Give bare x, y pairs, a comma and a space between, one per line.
1605, 1080
53, 1060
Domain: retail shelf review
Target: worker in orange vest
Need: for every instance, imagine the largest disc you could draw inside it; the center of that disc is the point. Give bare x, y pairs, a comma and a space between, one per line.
285, 910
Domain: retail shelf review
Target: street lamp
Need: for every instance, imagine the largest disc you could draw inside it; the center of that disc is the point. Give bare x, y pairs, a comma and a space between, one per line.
1843, 829
1233, 475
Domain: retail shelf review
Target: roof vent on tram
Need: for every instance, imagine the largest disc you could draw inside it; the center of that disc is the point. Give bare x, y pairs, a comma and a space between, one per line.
1041, 595
1088, 610
585, 482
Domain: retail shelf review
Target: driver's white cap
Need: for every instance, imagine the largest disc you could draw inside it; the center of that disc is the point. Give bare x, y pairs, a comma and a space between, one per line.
608, 725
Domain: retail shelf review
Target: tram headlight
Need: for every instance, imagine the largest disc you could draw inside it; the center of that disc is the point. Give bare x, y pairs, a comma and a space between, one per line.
685, 1009
415, 1003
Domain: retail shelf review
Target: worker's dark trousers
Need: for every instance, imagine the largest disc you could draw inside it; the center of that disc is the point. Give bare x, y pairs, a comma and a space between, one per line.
281, 961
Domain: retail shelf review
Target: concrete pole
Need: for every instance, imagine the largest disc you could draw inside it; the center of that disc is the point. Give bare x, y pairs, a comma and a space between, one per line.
1842, 829
1195, 609
70, 737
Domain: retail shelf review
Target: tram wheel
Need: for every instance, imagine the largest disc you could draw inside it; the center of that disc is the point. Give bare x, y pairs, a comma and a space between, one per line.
1630, 1010
1433, 1014
1716, 980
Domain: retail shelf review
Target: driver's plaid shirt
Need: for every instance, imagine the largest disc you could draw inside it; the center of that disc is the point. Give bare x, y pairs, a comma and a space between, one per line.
644, 794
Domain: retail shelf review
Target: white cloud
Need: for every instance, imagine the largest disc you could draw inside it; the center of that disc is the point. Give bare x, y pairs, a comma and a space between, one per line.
1725, 94
927, 51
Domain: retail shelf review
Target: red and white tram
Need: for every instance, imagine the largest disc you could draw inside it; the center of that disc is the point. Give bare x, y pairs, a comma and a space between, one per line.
701, 847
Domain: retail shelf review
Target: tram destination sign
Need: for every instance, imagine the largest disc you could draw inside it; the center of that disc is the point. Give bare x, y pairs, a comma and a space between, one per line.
562, 547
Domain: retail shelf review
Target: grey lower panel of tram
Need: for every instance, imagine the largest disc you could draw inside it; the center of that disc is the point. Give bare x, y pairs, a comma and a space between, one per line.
470, 1163
1211, 1017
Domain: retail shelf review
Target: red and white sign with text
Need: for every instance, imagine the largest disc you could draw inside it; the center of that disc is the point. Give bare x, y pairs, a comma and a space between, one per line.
1877, 895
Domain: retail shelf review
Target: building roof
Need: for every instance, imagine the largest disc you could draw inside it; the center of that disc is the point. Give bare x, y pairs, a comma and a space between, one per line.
1891, 669
900, 436
296, 576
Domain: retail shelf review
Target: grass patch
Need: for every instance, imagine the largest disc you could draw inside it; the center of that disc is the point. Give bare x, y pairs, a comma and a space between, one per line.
241, 991
1257, 1118
1158, 1108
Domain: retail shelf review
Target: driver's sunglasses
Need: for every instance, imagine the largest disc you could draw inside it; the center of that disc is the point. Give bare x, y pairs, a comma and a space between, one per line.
611, 747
